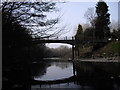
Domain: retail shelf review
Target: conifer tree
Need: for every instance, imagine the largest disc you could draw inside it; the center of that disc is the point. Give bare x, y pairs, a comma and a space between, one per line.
79, 34
102, 30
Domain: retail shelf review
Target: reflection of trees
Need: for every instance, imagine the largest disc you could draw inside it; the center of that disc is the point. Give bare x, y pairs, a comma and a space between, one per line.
63, 65
39, 69
109, 67
96, 75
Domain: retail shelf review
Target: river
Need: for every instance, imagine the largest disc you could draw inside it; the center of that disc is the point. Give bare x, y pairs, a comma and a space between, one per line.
51, 73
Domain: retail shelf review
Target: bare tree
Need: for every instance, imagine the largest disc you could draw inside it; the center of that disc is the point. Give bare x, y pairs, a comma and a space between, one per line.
113, 25
90, 15
33, 16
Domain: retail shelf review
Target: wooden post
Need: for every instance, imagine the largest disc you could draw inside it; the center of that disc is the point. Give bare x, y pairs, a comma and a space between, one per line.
72, 52
78, 52
74, 68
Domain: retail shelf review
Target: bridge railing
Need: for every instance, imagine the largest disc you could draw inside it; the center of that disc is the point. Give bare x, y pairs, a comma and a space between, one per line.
73, 38
57, 38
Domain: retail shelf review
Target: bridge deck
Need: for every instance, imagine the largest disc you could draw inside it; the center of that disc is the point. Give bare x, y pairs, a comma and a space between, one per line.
72, 42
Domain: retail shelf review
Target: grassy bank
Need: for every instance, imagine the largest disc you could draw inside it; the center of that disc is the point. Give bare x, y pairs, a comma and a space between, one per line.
111, 49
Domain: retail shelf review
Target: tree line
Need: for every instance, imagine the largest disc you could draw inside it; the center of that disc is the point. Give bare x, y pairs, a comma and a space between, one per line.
21, 22
99, 29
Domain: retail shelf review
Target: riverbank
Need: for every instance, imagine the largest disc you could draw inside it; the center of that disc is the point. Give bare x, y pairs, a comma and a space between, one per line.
113, 59
117, 60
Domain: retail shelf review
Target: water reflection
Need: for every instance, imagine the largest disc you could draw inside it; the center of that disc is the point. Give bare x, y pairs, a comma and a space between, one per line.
53, 70
65, 74
88, 76
98, 75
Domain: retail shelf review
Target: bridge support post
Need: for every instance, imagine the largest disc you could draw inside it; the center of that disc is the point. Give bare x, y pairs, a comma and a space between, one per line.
78, 53
74, 69
73, 52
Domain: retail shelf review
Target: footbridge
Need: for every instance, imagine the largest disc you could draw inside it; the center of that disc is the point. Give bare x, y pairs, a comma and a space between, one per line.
66, 41
71, 41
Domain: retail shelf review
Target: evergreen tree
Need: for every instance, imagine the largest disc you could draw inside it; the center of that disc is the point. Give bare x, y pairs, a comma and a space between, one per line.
79, 34
88, 34
103, 20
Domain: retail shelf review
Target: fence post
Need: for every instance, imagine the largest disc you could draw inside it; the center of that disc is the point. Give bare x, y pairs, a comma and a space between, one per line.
73, 52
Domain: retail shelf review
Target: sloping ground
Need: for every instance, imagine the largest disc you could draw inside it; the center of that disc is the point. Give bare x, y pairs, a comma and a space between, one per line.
112, 49
85, 51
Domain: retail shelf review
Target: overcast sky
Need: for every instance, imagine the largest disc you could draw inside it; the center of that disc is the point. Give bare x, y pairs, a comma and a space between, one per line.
72, 14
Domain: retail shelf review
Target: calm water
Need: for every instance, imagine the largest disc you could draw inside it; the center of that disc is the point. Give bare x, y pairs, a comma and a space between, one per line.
56, 70
62, 74
78, 75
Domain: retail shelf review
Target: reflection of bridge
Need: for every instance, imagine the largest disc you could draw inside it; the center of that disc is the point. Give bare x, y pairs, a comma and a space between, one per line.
65, 80
72, 42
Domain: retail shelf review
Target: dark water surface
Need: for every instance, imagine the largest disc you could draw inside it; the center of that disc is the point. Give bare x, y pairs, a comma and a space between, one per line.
62, 74
77, 75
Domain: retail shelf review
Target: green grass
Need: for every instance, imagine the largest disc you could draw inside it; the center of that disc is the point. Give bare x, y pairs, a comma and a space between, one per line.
115, 46
111, 48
